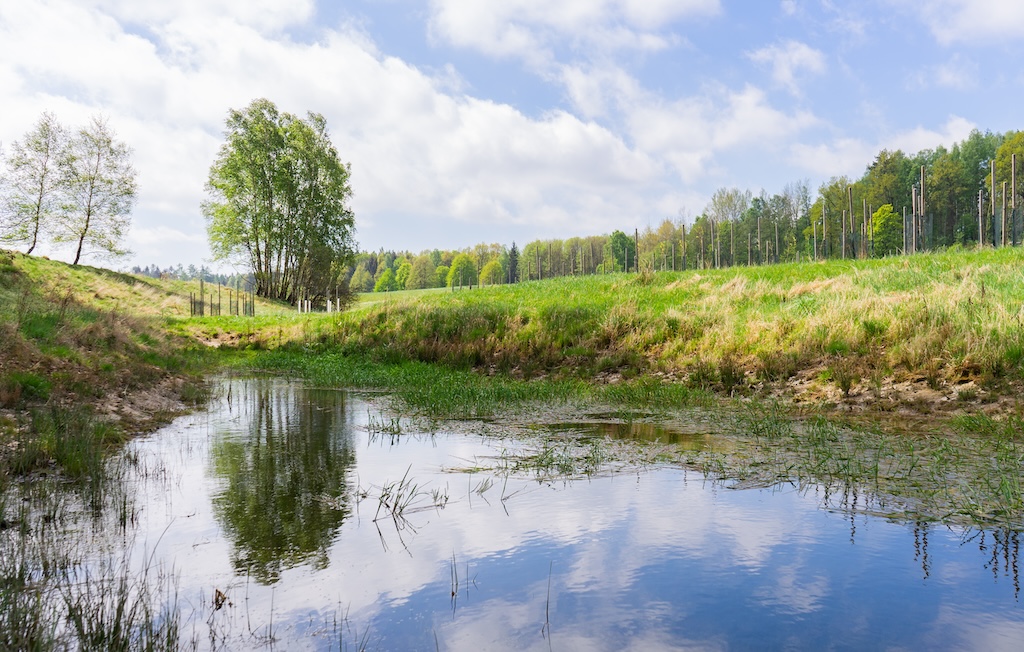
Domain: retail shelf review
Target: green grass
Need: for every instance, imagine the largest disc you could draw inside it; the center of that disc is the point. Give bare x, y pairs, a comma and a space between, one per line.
438, 391
72, 338
952, 317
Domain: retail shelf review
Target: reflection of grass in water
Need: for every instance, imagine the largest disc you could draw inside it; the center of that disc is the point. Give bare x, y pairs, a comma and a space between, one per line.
437, 391
566, 455
972, 476
52, 599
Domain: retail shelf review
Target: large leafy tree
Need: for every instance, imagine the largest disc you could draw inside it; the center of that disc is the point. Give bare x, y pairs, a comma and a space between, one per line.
35, 182
279, 202
100, 190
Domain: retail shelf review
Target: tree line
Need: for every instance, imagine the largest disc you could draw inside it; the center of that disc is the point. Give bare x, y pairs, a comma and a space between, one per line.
68, 187
181, 272
902, 204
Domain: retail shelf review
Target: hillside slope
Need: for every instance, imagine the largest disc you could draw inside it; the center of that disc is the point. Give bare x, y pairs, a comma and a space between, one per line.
932, 331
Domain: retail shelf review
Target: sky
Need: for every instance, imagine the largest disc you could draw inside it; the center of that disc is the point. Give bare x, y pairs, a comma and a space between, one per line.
469, 121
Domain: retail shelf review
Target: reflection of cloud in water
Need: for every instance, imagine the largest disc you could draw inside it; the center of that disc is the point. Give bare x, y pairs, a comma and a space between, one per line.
974, 630
793, 593
656, 560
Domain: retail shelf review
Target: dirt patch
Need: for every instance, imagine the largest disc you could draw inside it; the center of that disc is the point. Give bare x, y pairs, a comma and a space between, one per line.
142, 410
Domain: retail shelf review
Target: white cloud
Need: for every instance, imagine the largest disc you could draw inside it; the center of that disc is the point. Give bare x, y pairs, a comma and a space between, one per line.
843, 156
956, 74
914, 140
688, 133
850, 156
265, 15
596, 90
968, 21
788, 60
529, 29
789, 7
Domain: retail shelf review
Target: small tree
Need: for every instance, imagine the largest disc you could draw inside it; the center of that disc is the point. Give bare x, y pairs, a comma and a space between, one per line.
441, 272
492, 273
422, 274
617, 249
402, 275
386, 282
100, 192
35, 183
362, 280
463, 271
888, 231
513, 263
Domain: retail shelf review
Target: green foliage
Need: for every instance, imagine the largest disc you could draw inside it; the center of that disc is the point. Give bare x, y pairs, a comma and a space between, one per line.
362, 280
492, 273
30, 386
402, 275
617, 249
888, 231
100, 193
71, 188
441, 273
279, 202
422, 274
36, 182
462, 272
513, 262
386, 282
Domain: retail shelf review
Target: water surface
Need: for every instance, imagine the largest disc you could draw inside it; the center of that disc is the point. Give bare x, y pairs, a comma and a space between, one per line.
273, 498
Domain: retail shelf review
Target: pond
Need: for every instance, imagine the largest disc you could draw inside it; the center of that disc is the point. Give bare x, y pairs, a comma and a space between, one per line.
289, 517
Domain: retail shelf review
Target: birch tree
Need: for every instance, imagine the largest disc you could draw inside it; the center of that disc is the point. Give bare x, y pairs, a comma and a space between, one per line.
34, 183
99, 193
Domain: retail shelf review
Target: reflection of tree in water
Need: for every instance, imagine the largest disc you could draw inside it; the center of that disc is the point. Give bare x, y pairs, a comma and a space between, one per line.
286, 494
1004, 547
1001, 546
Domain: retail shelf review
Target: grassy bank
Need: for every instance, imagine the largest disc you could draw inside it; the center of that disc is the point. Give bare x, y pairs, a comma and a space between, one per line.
85, 360
933, 331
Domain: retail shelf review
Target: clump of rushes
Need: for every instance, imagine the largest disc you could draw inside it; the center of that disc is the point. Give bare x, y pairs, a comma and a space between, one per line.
843, 371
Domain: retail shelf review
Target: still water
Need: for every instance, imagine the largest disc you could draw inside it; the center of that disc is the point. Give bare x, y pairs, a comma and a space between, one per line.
312, 524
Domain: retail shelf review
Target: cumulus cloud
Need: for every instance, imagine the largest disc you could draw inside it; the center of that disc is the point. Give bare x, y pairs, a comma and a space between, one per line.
788, 60
850, 156
967, 21
422, 152
689, 132
529, 29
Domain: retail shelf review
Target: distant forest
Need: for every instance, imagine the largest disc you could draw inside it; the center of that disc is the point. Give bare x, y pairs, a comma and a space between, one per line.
193, 273
903, 203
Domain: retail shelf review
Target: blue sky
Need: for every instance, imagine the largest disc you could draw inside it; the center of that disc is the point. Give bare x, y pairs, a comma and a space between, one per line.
470, 121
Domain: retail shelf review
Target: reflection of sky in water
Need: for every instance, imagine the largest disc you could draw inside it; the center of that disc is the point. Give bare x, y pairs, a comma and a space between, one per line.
659, 560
